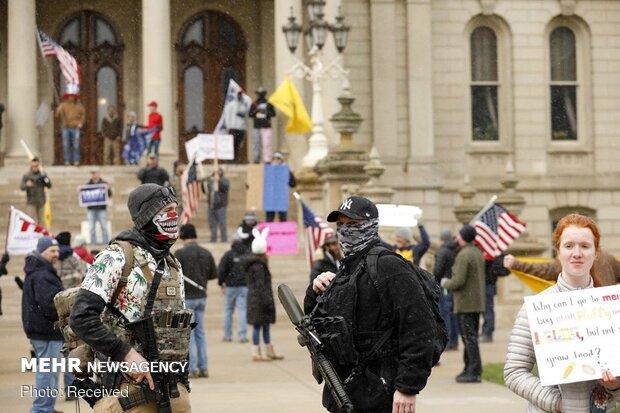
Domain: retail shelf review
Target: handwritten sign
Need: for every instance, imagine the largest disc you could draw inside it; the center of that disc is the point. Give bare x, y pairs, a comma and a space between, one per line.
575, 334
93, 195
282, 237
203, 147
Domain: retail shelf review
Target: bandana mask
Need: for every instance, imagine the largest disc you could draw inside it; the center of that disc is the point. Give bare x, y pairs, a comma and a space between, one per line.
354, 238
165, 226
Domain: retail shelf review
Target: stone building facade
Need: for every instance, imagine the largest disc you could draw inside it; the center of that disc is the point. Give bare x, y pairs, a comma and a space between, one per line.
448, 89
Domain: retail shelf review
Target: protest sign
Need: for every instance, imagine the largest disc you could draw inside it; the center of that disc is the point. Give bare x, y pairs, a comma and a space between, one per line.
93, 195
392, 215
575, 334
203, 147
23, 233
282, 237
275, 187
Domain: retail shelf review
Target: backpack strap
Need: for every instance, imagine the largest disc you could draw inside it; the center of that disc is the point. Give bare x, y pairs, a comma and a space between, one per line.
127, 268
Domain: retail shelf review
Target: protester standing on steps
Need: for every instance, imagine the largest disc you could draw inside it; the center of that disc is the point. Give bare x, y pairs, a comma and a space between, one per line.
261, 306
467, 285
198, 267
98, 214
72, 116
404, 247
261, 111
217, 190
234, 286
154, 126
34, 183
111, 129
576, 241
153, 173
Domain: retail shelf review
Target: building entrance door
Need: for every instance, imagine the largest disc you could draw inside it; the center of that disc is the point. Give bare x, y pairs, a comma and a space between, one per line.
211, 50
96, 44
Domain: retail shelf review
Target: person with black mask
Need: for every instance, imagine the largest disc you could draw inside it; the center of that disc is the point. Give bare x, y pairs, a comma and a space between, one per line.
154, 287
261, 111
388, 324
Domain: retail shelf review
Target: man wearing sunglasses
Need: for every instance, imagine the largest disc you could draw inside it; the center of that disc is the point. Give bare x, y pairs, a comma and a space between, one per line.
153, 287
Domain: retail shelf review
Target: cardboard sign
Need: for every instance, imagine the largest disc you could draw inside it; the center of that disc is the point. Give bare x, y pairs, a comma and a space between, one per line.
392, 215
203, 146
282, 237
254, 185
93, 195
575, 334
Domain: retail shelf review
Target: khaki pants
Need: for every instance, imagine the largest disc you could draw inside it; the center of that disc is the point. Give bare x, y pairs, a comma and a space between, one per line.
111, 151
36, 213
111, 404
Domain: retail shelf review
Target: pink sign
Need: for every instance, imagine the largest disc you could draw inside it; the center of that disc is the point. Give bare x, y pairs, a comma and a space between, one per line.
282, 237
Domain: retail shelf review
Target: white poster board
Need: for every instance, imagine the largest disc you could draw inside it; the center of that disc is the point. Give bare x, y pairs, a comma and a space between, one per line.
575, 334
203, 147
393, 215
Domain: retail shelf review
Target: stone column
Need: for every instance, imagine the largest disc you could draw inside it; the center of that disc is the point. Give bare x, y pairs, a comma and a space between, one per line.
157, 70
21, 108
422, 162
384, 77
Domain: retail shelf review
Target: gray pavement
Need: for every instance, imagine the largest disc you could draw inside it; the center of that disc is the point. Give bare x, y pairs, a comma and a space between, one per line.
236, 384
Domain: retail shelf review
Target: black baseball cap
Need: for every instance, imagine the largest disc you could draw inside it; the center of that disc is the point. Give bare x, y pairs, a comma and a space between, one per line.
355, 207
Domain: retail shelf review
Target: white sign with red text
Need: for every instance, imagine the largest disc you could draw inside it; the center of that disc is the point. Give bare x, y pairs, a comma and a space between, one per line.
23, 233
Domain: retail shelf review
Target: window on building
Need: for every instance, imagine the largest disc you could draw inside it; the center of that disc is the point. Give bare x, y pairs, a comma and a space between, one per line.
194, 33
106, 93
71, 33
563, 60
104, 33
193, 96
484, 85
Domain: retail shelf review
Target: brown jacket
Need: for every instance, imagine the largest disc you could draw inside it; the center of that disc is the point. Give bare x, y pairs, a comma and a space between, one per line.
111, 128
605, 265
71, 113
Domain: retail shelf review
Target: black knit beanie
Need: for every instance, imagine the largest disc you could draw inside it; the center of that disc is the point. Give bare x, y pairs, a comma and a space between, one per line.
146, 201
468, 233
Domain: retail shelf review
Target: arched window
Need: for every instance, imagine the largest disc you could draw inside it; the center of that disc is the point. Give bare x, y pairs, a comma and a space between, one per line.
484, 85
194, 100
106, 93
564, 84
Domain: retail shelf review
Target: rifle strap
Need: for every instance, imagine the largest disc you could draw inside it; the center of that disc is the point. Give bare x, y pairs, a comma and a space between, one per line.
150, 299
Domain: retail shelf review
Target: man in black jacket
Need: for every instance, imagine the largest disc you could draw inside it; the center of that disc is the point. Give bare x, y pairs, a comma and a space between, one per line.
403, 363
444, 258
153, 173
199, 267
217, 190
235, 289
328, 256
41, 284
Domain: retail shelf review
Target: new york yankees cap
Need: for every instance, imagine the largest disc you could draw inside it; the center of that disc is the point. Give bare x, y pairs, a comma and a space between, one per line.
355, 207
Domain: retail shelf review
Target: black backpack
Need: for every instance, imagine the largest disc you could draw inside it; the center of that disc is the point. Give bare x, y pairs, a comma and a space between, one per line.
431, 293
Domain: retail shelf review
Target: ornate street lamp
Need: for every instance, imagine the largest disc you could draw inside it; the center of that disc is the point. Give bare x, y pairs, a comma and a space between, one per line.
316, 36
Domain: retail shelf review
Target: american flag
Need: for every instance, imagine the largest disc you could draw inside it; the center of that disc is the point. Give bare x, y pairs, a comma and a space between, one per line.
189, 192
497, 229
315, 229
68, 65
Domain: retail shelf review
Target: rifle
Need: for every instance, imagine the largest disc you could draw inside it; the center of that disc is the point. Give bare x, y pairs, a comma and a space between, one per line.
143, 331
308, 338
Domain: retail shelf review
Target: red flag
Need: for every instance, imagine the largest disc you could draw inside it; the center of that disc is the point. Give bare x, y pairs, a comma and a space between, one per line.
497, 229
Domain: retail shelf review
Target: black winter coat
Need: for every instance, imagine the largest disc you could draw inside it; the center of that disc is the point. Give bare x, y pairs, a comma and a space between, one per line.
198, 265
261, 307
229, 271
321, 265
41, 284
444, 258
400, 309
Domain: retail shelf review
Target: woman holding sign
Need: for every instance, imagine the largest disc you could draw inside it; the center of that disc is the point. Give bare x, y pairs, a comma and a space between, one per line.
576, 241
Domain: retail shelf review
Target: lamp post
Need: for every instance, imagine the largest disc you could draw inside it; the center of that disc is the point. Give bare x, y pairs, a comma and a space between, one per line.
315, 36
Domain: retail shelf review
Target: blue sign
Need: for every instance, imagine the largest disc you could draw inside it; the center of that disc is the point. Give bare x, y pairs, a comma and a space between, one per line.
275, 188
93, 195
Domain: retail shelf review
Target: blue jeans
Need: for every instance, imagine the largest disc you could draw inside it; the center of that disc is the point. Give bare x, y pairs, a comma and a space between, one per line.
45, 349
217, 218
256, 334
71, 136
488, 327
235, 297
154, 146
100, 216
449, 318
198, 339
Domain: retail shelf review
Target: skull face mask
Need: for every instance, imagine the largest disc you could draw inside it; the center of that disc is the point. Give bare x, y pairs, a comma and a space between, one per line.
166, 226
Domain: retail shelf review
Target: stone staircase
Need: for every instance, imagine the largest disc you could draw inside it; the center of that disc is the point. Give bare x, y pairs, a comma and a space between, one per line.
67, 215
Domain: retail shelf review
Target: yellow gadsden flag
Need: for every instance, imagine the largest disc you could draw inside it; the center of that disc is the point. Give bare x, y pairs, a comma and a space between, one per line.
288, 101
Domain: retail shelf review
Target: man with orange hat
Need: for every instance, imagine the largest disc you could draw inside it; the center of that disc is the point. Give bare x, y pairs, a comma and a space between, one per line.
155, 126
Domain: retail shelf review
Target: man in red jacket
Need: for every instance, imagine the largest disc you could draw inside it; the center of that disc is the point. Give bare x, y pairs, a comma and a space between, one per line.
155, 126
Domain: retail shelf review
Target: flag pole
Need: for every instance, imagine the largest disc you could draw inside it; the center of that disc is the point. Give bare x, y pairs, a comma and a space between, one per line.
483, 210
48, 69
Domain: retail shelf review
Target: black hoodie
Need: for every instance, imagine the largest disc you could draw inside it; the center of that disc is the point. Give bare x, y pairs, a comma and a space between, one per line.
41, 284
